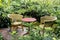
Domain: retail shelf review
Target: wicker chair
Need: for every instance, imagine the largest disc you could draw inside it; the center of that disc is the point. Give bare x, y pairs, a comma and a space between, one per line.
16, 21
48, 20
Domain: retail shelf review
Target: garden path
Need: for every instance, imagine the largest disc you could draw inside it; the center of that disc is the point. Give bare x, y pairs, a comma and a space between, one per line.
7, 36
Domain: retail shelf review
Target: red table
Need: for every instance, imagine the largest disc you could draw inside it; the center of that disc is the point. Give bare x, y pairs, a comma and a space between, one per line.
28, 20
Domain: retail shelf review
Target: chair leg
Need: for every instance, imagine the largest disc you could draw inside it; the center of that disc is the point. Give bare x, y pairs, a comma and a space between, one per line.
11, 28
15, 28
22, 28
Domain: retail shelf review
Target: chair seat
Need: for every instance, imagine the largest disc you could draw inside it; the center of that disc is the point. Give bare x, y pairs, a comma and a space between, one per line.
16, 23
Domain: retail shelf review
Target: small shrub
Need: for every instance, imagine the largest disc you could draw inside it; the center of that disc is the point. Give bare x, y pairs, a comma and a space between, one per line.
57, 31
35, 14
4, 22
1, 37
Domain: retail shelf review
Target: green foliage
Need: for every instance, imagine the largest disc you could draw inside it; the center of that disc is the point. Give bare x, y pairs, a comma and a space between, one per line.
21, 6
4, 22
57, 31
31, 8
33, 35
1, 37
48, 38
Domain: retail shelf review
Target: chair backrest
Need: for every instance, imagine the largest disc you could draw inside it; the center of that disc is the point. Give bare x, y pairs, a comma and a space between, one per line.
48, 21
15, 17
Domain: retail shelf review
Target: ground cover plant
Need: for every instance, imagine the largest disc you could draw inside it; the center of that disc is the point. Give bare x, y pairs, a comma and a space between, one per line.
1, 37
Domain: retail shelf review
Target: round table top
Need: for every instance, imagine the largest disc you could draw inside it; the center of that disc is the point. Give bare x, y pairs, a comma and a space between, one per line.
28, 19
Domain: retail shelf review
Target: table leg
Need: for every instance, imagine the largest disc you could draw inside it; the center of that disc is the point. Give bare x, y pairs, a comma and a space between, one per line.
28, 29
22, 28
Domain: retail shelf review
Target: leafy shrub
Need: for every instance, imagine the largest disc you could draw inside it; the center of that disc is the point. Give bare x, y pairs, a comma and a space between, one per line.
57, 31
4, 22
1, 37
35, 14
33, 35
